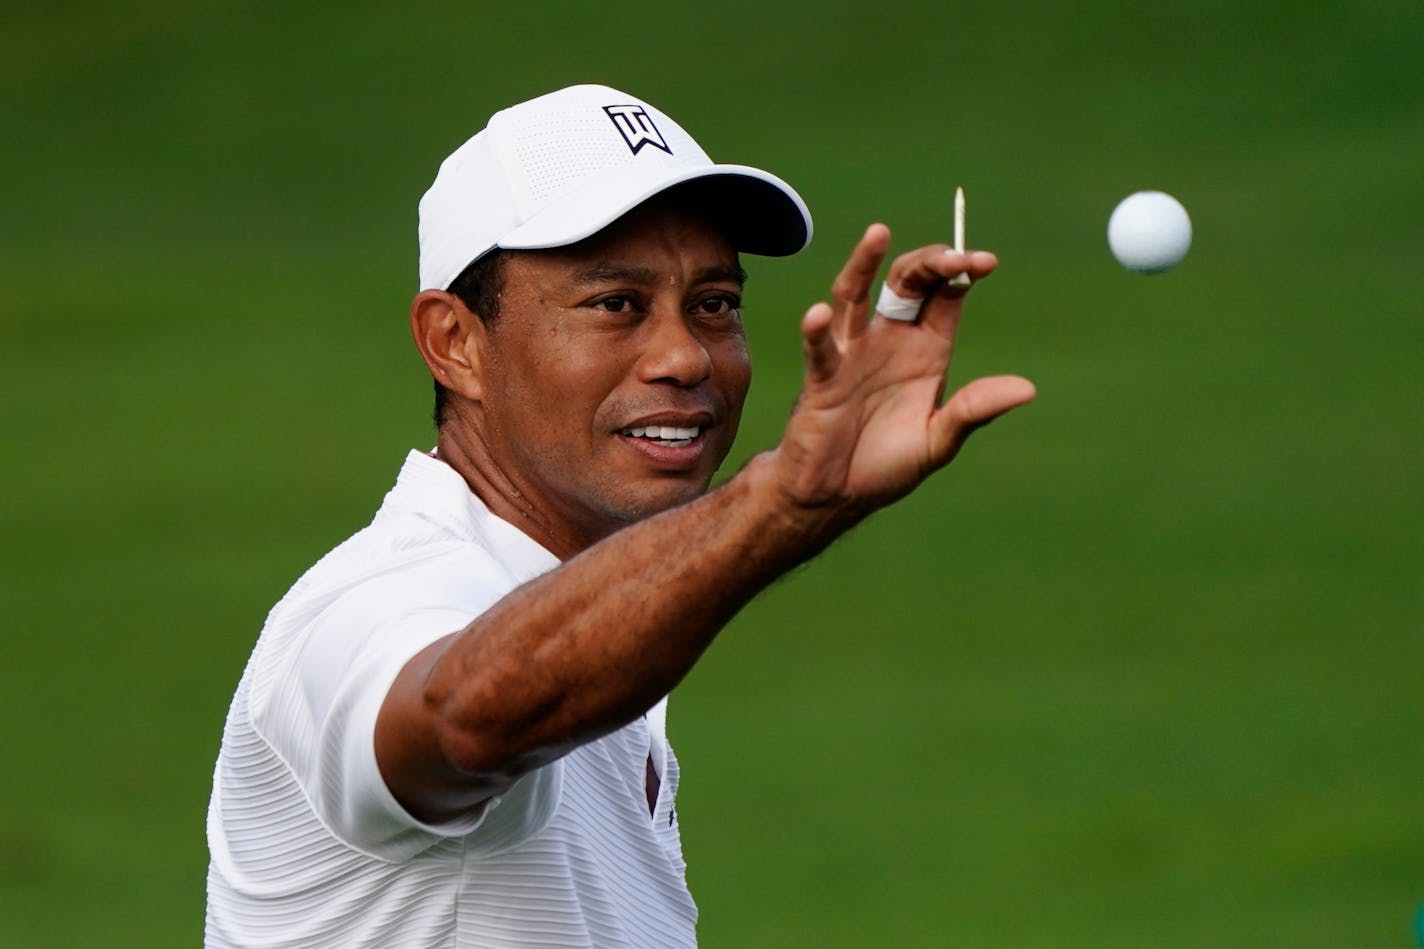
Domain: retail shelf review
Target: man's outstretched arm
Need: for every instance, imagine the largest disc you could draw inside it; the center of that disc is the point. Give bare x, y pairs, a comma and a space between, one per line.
586, 648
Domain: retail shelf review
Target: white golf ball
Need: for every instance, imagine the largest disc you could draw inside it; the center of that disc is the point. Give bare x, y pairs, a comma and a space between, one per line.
1149, 232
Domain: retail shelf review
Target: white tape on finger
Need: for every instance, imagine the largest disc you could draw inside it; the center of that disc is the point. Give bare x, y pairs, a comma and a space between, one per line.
892, 306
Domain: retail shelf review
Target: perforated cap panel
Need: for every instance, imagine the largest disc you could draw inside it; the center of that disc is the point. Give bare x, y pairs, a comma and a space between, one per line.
556, 169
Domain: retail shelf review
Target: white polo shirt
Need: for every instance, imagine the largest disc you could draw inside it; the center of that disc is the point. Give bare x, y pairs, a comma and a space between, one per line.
308, 848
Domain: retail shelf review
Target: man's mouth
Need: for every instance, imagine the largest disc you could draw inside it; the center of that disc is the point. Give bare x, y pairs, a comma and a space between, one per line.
671, 436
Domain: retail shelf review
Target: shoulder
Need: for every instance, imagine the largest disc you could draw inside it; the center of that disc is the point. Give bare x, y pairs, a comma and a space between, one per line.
377, 580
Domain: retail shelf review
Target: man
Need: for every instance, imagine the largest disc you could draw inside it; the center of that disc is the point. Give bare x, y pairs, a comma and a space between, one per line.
451, 732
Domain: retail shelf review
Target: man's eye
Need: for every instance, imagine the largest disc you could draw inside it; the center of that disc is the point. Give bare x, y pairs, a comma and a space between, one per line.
615, 304
718, 305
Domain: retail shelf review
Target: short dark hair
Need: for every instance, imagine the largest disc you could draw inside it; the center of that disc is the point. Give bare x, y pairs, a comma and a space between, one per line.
478, 287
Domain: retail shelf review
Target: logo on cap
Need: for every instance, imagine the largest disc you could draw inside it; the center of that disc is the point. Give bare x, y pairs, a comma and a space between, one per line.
636, 127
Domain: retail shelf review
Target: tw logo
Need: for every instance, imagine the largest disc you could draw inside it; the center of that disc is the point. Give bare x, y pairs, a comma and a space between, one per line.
636, 127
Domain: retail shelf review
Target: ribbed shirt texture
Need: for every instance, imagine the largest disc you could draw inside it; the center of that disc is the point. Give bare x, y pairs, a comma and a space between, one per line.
308, 848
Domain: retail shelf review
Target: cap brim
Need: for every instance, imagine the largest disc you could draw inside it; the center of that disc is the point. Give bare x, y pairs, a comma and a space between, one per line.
763, 214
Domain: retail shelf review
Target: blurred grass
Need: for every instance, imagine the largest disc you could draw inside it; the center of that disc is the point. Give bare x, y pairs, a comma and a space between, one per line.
1140, 669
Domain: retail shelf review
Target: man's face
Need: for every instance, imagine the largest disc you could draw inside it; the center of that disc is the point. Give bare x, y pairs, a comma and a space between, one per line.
615, 372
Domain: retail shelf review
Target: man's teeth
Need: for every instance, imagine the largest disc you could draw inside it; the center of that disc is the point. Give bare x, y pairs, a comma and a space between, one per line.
664, 433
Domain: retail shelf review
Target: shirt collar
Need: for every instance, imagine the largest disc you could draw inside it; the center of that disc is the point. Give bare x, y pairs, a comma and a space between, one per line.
435, 491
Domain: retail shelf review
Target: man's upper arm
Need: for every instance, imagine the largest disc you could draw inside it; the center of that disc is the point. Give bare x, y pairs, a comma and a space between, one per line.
318, 692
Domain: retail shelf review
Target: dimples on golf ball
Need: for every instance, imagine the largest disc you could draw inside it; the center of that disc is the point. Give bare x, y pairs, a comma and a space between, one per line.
1149, 232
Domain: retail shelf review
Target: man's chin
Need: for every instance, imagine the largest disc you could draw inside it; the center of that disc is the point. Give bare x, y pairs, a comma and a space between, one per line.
661, 495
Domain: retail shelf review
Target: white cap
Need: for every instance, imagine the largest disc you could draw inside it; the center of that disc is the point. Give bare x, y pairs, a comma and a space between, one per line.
559, 168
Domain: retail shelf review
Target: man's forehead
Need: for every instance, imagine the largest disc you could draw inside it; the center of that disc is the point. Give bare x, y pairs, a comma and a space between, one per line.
610, 272
642, 245
674, 216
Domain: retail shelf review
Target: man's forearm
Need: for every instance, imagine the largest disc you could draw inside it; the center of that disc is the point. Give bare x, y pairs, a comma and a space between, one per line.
584, 649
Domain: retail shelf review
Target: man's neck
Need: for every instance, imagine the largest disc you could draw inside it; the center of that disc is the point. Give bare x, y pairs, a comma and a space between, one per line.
464, 451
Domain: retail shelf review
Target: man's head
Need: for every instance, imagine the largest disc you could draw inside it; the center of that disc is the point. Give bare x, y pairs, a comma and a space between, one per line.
591, 379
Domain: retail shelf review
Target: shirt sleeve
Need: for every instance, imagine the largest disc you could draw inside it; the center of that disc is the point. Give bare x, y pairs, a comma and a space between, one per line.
319, 711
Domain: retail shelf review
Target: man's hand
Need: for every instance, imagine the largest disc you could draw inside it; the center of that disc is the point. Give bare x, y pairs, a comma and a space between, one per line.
869, 426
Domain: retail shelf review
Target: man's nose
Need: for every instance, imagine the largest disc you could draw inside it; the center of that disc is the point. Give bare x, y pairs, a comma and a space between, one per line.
672, 350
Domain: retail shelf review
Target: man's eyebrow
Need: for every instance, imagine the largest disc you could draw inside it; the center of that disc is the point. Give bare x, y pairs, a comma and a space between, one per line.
721, 274
642, 276
607, 273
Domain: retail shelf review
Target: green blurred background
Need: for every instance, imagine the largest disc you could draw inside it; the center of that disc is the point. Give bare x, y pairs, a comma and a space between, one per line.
1141, 669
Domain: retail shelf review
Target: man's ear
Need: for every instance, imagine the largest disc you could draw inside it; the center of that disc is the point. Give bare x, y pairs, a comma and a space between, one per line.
451, 341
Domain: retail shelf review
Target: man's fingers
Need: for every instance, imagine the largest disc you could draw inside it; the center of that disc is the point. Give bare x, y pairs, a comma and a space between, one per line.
973, 407
928, 269
850, 293
818, 343
927, 273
